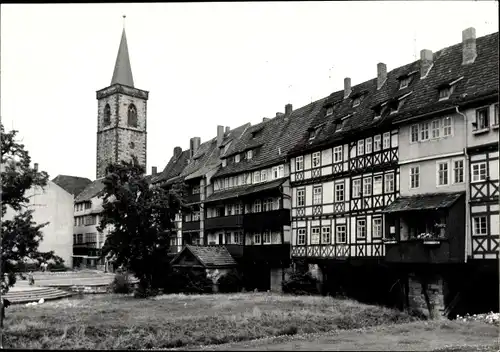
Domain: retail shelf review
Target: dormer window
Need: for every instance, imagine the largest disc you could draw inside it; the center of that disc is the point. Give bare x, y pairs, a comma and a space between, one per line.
446, 90
356, 101
237, 158
224, 162
256, 133
404, 82
249, 154
329, 111
312, 134
482, 119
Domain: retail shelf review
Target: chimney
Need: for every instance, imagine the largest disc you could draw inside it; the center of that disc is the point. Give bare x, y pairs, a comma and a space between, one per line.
177, 151
35, 167
265, 119
381, 74
154, 170
469, 53
347, 87
194, 145
425, 62
288, 109
220, 135
228, 129
278, 114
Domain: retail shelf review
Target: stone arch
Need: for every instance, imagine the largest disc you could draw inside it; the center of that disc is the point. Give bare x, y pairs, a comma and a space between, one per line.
132, 115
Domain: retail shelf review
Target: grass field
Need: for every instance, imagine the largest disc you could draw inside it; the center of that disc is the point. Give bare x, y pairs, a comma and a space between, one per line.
122, 322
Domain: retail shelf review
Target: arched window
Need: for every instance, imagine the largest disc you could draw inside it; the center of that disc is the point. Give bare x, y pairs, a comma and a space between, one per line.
132, 115
107, 115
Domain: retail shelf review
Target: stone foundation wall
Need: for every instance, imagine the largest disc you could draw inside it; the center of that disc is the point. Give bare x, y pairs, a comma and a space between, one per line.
435, 291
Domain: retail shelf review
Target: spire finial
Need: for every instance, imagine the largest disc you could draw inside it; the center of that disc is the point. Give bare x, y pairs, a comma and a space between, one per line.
124, 16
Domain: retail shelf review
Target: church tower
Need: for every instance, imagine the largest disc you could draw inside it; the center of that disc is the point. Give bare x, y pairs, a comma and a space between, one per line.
121, 116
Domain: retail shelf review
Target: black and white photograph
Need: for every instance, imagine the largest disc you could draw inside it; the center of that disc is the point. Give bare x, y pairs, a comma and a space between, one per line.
255, 175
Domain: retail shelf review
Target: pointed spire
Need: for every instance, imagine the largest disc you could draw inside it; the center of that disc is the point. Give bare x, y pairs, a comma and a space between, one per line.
123, 72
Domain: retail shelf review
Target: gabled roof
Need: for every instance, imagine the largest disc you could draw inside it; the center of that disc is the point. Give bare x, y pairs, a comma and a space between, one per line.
208, 256
428, 201
72, 184
92, 190
176, 164
274, 139
480, 79
123, 71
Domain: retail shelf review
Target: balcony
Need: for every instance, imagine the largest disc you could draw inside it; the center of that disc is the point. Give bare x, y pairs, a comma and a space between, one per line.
87, 249
273, 254
222, 222
191, 226
269, 220
419, 251
193, 198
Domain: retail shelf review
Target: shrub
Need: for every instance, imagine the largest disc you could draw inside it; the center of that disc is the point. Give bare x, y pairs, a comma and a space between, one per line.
121, 283
57, 267
230, 282
300, 284
188, 281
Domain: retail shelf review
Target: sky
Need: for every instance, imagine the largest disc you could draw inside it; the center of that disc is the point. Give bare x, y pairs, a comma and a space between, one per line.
204, 64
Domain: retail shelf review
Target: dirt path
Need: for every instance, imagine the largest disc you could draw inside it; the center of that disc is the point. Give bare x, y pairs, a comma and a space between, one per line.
421, 336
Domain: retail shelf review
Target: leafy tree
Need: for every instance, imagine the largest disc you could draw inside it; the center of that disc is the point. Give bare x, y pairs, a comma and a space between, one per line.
20, 234
139, 219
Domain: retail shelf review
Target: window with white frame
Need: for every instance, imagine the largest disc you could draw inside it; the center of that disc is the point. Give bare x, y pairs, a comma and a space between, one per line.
447, 126
263, 176
479, 172
316, 159
276, 203
482, 118
377, 228
249, 154
325, 235
387, 140
414, 176
224, 162
314, 235
300, 197
226, 183
442, 173
361, 147
389, 183
340, 232
360, 228
495, 116
377, 143
339, 192
368, 145
404, 82
413, 133
301, 237
257, 206
444, 93
267, 204
480, 224
337, 154
424, 131
229, 209
299, 163
458, 171
435, 128
377, 185
238, 209
356, 188
317, 195
367, 186
256, 238
237, 158
256, 177
267, 237
281, 171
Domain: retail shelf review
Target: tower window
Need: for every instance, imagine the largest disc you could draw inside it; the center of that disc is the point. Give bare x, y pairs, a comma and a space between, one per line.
132, 115
107, 115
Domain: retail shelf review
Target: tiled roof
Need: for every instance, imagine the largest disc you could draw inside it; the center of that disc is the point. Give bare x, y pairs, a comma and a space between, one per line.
274, 137
92, 190
209, 256
428, 201
245, 190
72, 184
479, 79
174, 167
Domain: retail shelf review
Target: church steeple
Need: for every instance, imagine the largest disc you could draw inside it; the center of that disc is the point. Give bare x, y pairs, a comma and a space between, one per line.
123, 71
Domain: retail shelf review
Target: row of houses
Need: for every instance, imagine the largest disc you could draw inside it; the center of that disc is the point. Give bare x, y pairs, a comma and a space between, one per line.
397, 172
